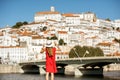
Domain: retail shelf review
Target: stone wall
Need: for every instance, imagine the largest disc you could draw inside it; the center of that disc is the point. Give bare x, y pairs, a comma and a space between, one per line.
10, 69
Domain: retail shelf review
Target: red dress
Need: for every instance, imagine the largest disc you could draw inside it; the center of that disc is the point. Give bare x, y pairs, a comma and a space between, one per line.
50, 62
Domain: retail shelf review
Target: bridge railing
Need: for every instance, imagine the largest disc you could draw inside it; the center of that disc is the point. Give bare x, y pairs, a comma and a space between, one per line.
82, 59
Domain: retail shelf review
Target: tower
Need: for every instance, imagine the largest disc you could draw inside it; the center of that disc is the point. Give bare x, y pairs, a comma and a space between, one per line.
52, 9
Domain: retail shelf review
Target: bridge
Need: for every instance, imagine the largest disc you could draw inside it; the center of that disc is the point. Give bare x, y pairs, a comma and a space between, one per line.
84, 66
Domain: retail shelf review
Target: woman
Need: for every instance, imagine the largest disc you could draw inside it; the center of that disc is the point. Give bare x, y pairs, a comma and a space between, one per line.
50, 49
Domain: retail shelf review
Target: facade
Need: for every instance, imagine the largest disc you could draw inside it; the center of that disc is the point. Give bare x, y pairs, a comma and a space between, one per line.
104, 23
117, 23
13, 55
71, 19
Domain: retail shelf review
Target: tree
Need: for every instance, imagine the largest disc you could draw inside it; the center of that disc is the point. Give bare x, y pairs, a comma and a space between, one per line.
44, 28
117, 28
54, 38
25, 23
61, 42
99, 52
113, 28
74, 52
19, 24
85, 51
107, 19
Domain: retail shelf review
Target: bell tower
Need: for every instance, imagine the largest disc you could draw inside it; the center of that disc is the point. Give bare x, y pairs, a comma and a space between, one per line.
52, 9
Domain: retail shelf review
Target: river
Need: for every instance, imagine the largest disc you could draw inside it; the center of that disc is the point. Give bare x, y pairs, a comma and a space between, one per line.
114, 75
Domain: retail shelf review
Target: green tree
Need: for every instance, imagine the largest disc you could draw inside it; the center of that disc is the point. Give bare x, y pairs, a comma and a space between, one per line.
19, 24
107, 19
117, 28
61, 42
54, 38
74, 52
25, 23
85, 51
98, 52
44, 28
113, 28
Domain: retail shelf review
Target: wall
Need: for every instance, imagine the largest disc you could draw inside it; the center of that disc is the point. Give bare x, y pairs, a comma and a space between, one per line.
10, 69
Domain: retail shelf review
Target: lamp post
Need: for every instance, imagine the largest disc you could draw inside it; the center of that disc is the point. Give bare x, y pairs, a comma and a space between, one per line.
77, 54
86, 52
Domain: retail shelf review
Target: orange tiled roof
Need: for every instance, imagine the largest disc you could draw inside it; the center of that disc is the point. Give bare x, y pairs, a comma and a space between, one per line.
1, 34
13, 31
69, 15
26, 33
47, 12
105, 44
11, 47
114, 54
36, 37
13, 36
62, 32
94, 37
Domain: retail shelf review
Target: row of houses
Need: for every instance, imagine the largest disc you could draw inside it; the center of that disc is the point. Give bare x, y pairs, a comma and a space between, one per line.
84, 29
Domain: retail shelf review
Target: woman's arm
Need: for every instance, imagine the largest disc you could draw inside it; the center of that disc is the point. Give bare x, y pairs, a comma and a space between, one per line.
42, 49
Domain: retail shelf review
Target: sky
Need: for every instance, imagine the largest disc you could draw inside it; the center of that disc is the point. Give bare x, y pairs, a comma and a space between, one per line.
12, 11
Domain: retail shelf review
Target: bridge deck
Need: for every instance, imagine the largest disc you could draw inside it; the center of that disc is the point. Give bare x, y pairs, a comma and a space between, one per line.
85, 60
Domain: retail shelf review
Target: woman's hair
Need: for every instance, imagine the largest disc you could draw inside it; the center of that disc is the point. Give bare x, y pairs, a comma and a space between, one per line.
49, 50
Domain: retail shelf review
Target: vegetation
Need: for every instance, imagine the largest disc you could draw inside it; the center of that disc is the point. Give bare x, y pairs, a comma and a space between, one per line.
61, 42
85, 51
107, 19
43, 29
52, 38
117, 29
19, 24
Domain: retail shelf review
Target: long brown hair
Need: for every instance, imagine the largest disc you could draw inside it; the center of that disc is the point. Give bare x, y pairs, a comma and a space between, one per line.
50, 52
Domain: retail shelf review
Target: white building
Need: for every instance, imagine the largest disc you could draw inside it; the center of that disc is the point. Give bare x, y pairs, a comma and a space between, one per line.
43, 16
63, 35
88, 16
104, 23
117, 23
108, 48
34, 26
71, 19
14, 54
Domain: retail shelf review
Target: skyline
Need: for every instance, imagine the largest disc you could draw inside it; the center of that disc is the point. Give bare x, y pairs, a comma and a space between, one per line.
12, 11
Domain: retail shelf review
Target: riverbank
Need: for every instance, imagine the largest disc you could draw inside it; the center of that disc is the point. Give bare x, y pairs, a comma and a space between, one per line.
4, 68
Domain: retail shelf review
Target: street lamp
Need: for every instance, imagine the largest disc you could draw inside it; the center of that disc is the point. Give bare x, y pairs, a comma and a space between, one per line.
86, 52
77, 54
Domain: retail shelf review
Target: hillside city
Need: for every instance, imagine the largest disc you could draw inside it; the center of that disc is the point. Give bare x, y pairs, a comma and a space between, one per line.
84, 29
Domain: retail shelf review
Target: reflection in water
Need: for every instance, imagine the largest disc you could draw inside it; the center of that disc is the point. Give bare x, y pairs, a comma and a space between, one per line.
115, 75
108, 76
